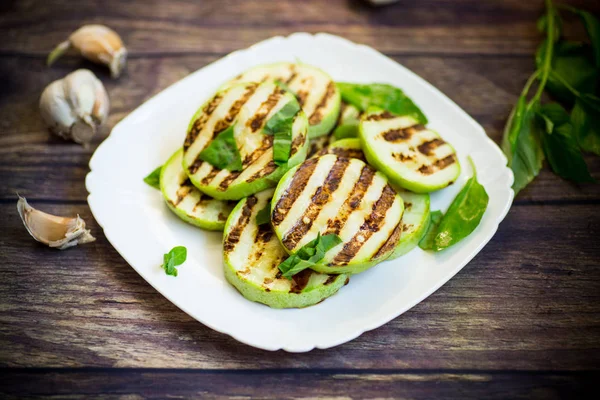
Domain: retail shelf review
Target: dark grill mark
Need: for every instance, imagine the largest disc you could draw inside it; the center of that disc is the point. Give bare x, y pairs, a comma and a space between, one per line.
266, 144
391, 243
316, 145
292, 76
344, 152
371, 225
294, 189
406, 227
300, 280
297, 142
228, 179
352, 202
211, 175
267, 170
396, 135
319, 199
222, 217
438, 165
330, 280
234, 236
201, 201
428, 147
257, 120
201, 121
301, 96
264, 234
379, 117
317, 114
402, 157
195, 166
407, 206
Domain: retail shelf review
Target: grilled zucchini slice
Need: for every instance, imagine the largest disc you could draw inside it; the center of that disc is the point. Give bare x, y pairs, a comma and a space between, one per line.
249, 106
252, 254
187, 202
414, 221
317, 144
316, 91
348, 121
349, 148
343, 196
412, 156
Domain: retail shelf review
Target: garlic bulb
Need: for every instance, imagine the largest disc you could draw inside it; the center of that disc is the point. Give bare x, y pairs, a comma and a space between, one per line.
97, 43
75, 106
58, 232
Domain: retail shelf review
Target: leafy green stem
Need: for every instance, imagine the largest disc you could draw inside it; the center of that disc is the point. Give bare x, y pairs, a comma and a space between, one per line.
547, 65
529, 82
562, 80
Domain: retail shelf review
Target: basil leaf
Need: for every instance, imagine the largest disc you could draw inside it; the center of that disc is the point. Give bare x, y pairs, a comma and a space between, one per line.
153, 179
522, 145
309, 254
264, 215
173, 258
280, 126
222, 152
381, 95
463, 215
586, 125
426, 242
572, 63
592, 27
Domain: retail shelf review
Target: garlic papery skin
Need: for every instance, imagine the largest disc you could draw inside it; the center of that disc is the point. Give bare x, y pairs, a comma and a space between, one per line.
75, 106
53, 231
97, 43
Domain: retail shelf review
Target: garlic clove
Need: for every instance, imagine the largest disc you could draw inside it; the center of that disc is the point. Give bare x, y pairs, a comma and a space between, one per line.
97, 43
53, 231
75, 106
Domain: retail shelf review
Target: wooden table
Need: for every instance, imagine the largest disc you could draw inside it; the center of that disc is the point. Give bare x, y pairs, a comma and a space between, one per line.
521, 320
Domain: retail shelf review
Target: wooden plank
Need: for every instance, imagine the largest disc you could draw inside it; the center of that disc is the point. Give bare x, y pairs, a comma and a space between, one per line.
119, 384
519, 305
186, 26
34, 163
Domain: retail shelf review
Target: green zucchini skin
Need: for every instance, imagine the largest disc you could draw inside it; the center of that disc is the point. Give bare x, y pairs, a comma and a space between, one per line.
348, 121
187, 202
343, 196
349, 148
249, 106
252, 253
316, 91
414, 221
412, 156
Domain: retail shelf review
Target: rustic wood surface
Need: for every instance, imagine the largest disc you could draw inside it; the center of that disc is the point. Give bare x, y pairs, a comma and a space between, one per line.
522, 320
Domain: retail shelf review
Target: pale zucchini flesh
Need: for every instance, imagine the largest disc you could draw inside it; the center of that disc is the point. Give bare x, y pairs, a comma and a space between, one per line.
316, 91
252, 254
412, 156
342, 196
187, 202
414, 221
248, 106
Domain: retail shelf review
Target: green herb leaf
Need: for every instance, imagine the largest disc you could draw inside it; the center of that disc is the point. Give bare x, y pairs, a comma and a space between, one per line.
463, 215
542, 24
426, 242
223, 152
522, 146
280, 126
284, 87
572, 66
309, 254
560, 145
264, 215
153, 179
592, 27
380, 95
173, 258
585, 118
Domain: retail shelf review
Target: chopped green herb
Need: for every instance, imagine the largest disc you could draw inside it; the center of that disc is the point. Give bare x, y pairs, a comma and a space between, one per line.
426, 243
222, 152
174, 258
380, 95
264, 215
153, 179
280, 126
309, 255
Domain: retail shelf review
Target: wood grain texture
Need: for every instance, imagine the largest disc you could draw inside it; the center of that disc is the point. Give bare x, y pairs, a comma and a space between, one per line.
522, 320
518, 306
192, 384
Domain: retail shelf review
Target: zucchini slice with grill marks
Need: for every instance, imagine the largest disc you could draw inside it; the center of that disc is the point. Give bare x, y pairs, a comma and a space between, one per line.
343, 196
349, 148
414, 221
248, 106
252, 254
187, 202
317, 144
316, 91
412, 156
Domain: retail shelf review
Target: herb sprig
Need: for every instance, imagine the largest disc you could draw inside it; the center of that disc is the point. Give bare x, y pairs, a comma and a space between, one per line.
569, 72
174, 258
309, 254
153, 179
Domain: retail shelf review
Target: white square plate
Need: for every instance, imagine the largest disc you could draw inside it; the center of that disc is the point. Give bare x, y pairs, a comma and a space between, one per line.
139, 225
